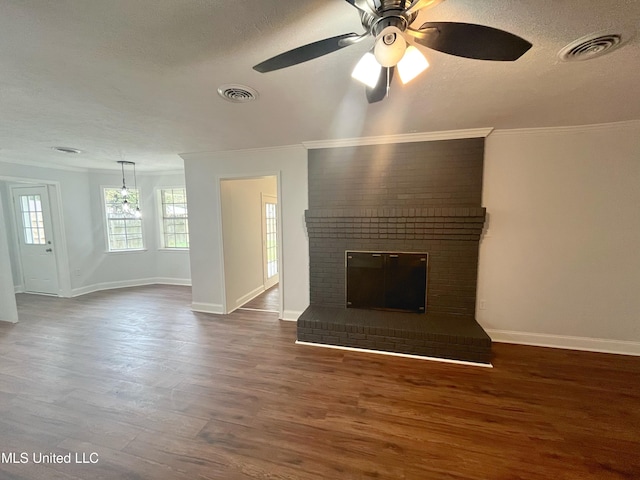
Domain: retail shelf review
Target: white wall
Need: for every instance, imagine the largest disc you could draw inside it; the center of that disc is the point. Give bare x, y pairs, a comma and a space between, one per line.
10, 232
203, 172
8, 308
241, 202
91, 267
560, 260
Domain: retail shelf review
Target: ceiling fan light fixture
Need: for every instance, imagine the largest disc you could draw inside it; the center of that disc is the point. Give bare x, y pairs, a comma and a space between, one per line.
390, 47
390, 23
367, 70
412, 64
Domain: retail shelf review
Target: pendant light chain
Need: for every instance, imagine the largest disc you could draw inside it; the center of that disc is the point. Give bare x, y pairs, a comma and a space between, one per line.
138, 213
124, 184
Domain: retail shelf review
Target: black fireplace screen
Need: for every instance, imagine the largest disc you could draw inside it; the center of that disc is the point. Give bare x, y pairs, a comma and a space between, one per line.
387, 281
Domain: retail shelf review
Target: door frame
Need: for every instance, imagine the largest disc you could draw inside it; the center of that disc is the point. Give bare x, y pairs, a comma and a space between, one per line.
54, 191
28, 250
218, 186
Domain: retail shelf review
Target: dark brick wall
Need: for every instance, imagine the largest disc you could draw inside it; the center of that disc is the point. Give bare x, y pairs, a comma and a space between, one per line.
423, 174
412, 197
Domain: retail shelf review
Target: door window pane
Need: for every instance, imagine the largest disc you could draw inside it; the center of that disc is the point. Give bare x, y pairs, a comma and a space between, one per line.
271, 239
32, 220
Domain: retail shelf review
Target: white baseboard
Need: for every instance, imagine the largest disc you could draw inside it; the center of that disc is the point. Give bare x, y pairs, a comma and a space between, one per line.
96, 287
207, 308
185, 282
291, 315
563, 341
394, 354
249, 296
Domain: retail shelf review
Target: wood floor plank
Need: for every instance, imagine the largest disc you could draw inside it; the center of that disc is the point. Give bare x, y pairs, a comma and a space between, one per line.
160, 392
268, 300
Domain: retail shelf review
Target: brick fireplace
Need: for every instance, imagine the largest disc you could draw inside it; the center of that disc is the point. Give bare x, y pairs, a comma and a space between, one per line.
410, 197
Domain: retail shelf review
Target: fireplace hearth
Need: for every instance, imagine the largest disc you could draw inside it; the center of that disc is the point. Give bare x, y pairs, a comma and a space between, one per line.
437, 336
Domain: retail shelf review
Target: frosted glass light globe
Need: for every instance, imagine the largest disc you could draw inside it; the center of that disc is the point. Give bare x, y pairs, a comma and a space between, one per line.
390, 47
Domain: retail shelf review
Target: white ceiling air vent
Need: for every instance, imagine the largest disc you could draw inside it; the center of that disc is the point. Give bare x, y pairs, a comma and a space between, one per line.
591, 46
237, 93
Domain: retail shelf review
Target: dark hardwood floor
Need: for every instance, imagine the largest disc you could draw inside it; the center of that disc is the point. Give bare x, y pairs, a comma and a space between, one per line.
160, 392
268, 300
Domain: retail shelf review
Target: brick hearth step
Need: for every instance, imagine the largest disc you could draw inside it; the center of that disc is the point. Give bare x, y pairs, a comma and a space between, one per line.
453, 337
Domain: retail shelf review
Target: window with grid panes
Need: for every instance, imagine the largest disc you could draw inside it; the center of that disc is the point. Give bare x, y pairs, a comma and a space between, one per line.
175, 222
271, 239
124, 230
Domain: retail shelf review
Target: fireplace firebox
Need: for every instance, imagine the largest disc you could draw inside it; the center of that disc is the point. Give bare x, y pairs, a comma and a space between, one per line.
395, 281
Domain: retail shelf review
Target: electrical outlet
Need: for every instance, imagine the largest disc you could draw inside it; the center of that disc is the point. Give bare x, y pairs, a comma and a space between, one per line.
77, 273
483, 304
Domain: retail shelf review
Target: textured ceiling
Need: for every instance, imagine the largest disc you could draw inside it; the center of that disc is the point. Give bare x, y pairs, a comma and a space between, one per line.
137, 79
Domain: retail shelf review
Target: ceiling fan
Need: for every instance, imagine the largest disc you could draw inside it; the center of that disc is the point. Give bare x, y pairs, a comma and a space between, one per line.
389, 22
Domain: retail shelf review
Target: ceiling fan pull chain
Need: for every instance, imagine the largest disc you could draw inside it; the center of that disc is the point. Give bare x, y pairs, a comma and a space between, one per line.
388, 81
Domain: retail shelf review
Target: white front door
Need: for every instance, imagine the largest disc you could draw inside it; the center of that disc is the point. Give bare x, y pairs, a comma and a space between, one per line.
35, 240
270, 240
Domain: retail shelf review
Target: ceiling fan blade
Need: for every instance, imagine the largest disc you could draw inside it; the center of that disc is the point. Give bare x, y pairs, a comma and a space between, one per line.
306, 52
378, 92
420, 4
470, 41
364, 6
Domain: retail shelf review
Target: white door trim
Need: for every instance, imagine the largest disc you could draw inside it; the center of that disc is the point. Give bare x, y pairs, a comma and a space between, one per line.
57, 219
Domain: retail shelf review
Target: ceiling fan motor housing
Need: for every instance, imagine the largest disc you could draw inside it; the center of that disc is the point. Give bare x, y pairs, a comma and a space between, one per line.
384, 13
388, 29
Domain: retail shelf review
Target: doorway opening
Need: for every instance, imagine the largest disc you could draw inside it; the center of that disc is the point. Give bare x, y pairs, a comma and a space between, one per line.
251, 243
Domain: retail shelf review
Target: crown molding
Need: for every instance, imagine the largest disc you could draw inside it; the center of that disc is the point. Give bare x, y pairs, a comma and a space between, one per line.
160, 173
240, 151
567, 129
69, 168
143, 173
31, 163
400, 138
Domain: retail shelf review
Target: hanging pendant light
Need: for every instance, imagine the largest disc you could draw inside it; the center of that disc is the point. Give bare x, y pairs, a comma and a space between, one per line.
126, 205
